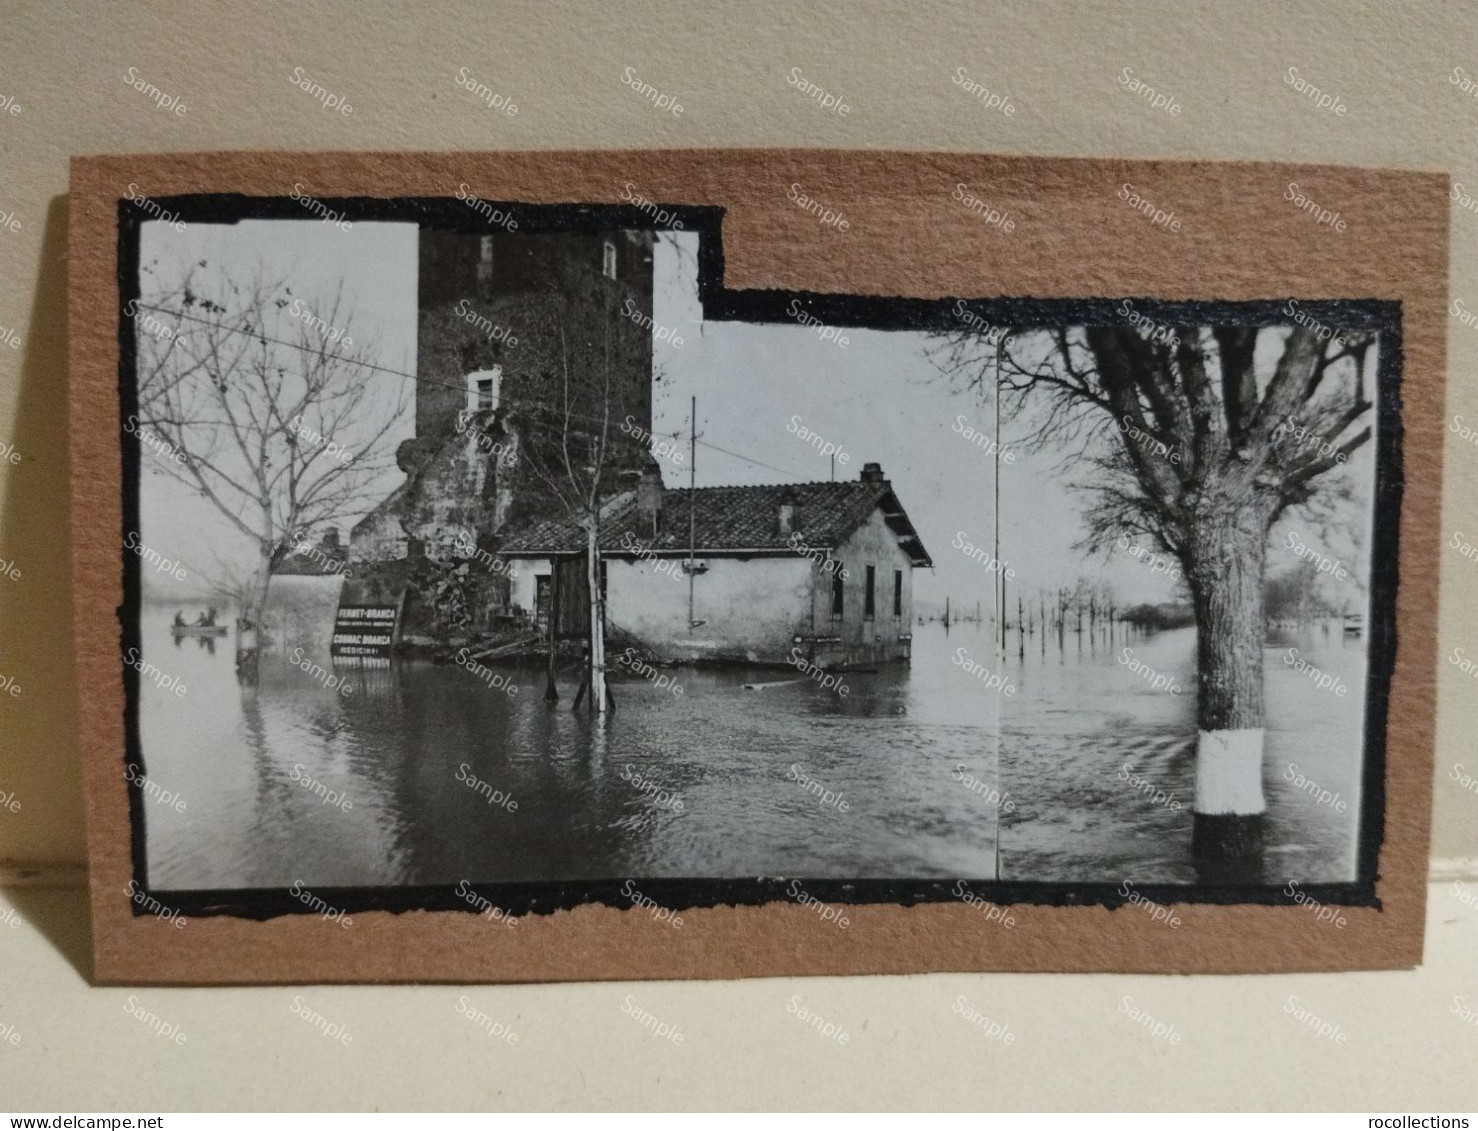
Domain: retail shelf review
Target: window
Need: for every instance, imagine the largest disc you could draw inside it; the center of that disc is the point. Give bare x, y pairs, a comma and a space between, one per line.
836, 595
869, 609
485, 260
608, 260
897, 592
484, 387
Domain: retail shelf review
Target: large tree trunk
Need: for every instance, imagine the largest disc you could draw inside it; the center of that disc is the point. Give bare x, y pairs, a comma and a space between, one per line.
1226, 553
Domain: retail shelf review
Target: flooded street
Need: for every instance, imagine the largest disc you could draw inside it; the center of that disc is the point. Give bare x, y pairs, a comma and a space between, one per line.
423, 774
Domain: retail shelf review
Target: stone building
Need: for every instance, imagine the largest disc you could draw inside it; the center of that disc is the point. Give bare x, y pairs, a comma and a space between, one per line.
822, 569
525, 343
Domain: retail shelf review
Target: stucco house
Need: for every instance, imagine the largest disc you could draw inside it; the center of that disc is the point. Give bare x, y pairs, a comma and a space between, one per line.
824, 570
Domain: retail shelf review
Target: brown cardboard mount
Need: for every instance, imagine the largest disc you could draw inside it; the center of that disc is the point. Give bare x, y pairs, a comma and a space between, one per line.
908, 235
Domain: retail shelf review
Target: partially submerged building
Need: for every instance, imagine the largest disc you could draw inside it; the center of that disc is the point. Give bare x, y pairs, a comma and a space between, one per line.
741, 574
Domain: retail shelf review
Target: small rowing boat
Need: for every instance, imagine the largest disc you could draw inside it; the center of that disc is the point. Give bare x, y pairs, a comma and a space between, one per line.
198, 629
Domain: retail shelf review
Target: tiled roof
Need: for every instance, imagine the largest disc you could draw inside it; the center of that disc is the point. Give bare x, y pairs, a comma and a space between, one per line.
731, 520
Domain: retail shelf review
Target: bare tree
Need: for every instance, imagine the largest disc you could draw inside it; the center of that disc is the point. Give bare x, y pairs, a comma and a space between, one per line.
264, 405
1199, 438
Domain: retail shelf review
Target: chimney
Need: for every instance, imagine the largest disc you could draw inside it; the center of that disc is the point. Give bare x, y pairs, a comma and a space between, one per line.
331, 537
787, 511
649, 498
872, 473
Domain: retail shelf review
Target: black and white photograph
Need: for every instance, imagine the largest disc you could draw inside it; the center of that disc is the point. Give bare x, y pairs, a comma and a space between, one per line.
498, 548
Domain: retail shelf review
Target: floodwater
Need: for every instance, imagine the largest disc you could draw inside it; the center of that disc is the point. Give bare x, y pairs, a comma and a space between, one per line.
407, 747
1103, 763
423, 773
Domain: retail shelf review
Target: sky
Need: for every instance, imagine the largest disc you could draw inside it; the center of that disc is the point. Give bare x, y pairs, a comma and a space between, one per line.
879, 398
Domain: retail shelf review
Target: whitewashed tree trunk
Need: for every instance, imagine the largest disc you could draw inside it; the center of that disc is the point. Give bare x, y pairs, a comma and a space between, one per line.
1226, 555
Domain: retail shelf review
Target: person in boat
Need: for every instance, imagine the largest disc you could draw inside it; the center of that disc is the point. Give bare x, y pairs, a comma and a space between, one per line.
179, 619
210, 617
